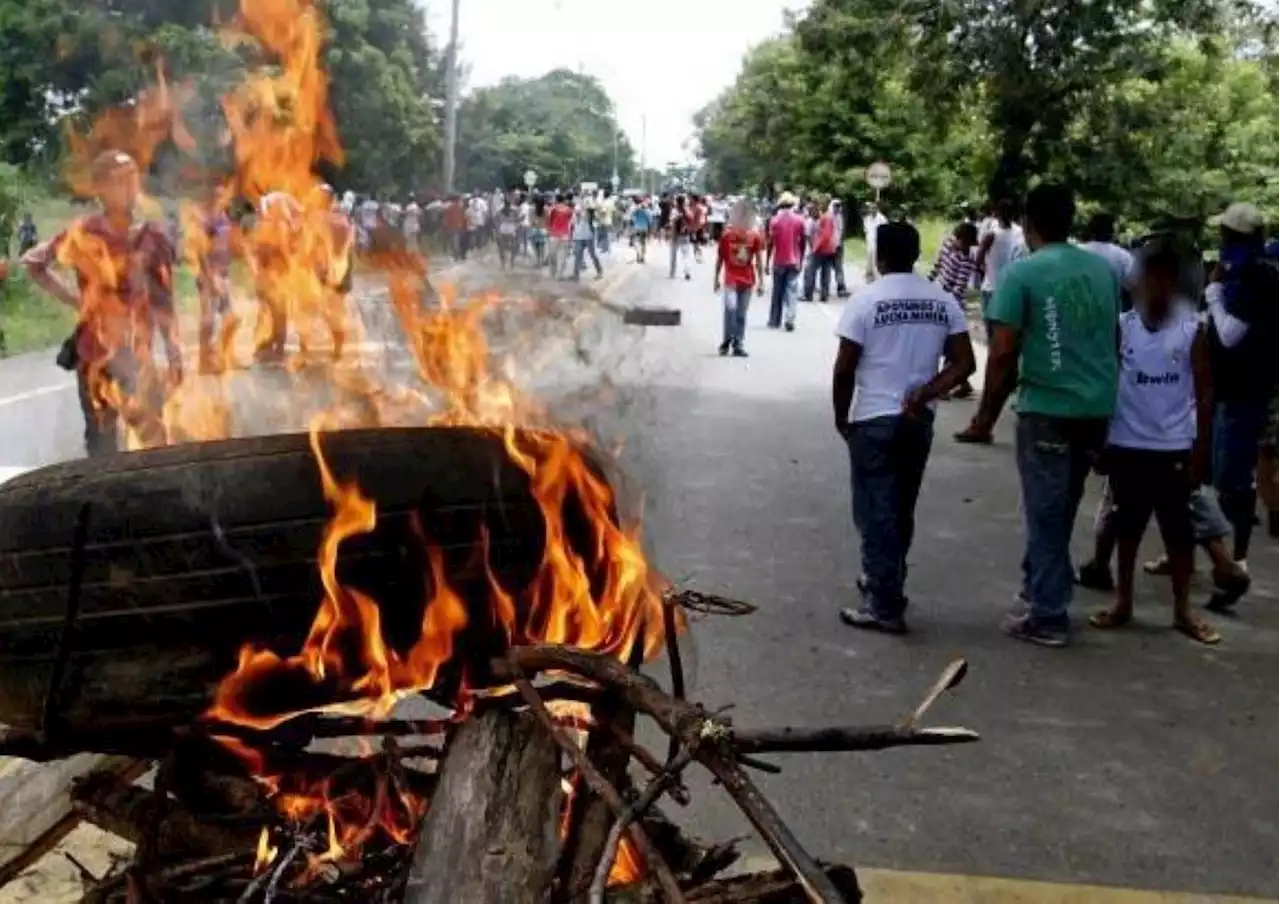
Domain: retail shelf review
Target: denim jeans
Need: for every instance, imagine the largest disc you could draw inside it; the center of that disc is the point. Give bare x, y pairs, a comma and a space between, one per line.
1055, 455
783, 297
1237, 428
736, 301
837, 265
887, 456
583, 247
818, 269
602, 238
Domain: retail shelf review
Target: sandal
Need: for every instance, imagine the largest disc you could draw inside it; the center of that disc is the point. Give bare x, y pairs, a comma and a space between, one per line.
1106, 619
1197, 630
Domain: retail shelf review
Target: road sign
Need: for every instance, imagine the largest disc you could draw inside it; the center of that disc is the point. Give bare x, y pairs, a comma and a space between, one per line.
589, 188
878, 175
530, 178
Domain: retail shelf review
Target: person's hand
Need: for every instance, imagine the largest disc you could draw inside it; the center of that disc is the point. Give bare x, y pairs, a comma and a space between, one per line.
843, 427
914, 402
715, 285
760, 289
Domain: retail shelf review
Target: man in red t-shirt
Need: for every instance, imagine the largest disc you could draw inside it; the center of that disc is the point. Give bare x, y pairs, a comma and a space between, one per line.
741, 255
822, 260
559, 229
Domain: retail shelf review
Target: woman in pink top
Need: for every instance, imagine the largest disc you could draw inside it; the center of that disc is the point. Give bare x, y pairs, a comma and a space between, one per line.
784, 250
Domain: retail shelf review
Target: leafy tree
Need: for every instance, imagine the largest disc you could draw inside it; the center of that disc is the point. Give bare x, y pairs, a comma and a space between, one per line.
560, 125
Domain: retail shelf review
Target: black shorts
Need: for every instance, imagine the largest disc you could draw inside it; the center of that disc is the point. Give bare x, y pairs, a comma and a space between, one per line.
1147, 481
717, 230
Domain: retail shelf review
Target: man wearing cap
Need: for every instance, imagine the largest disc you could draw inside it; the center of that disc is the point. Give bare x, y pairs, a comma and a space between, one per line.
783, 248
1241, 303
124, 272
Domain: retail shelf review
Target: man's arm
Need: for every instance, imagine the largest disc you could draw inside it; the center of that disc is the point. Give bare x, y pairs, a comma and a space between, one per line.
944, 251
1001, 375
842, 383
715, 283
980, 265
759, 270
37, 264
957, 353
1203, 376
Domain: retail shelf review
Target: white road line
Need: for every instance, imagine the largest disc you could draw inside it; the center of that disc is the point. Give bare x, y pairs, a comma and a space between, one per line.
35, 393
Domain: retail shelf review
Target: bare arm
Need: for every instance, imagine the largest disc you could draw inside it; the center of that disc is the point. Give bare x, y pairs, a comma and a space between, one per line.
1002, 373
1202, 374
981, 263
37, 263
842, 383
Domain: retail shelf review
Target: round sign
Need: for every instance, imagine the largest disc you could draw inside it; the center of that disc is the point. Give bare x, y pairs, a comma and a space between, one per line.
530, 178
878, 175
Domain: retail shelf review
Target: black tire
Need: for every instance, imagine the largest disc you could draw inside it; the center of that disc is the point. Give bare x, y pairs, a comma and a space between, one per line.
165, 603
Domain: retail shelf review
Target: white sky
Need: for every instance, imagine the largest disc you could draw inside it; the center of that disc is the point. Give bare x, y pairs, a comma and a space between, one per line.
660, 60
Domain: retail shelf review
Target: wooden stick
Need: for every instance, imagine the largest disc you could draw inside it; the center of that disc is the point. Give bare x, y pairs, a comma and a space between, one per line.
678, 792
597, 783
833, 740
634, 811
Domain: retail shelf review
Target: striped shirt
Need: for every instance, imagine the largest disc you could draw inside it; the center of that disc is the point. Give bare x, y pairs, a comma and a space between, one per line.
953, 270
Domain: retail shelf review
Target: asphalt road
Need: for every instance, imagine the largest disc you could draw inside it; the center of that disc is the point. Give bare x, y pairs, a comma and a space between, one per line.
1130, 759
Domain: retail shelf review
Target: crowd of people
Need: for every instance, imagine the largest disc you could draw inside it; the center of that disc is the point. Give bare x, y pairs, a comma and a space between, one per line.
1137, 365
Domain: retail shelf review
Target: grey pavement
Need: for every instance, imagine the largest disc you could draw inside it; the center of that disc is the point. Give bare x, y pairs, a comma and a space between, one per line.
1133, 758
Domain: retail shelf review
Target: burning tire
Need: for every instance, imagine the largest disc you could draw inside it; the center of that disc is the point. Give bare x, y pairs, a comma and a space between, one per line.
189, 552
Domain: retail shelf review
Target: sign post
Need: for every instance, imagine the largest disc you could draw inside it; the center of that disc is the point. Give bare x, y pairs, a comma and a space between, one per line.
878, 177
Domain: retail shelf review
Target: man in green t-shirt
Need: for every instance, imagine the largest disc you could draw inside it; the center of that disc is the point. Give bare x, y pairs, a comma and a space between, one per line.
1054, 318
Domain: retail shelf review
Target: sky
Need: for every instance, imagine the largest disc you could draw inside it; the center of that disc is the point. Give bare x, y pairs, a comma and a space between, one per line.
660, 60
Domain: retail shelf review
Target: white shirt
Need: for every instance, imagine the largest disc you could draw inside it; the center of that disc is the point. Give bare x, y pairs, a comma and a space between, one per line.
902, 322
1121, 261
1004, 242
869, 226
582, 225
369, 214
477, 213
1156, 395
412, 219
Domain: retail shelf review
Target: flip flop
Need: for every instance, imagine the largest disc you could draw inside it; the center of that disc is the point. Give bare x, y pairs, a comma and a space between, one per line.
1107, 619
1200, 632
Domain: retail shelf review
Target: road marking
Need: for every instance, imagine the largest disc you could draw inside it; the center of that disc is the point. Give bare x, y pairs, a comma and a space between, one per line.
941, 888
35, 393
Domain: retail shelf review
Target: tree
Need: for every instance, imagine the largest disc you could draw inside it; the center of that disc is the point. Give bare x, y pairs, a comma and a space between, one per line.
560, 125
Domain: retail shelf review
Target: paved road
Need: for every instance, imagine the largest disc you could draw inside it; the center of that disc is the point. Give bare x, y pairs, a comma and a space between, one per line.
1133, 759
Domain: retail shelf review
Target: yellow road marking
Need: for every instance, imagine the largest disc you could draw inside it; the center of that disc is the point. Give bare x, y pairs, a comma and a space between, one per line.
888, 886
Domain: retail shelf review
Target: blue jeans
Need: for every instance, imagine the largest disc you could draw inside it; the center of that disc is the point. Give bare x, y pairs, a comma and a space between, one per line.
1055, 455
583, 247
783, 297
602, 238
887, 456
736, 301
818, 269
1237, 428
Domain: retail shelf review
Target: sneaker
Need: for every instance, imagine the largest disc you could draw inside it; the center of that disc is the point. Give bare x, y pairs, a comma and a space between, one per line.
1024, 628
723, 349
740, 352
865, 618
790, 327
1095, 577
1158, 565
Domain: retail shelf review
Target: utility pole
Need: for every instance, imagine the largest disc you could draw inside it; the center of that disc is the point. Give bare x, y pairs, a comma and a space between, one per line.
644, 142
451, 101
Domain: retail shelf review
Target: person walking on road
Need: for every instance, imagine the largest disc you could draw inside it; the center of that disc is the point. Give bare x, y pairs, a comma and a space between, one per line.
953, 270
681, 237
1157, 447
884, 387
740, 254
822, 256
560, 228
872, 220
117, 319
641, 223
784, 251
584, 239
1053, 319
837, 262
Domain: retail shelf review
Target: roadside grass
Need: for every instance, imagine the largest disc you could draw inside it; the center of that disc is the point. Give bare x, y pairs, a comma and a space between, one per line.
933, 232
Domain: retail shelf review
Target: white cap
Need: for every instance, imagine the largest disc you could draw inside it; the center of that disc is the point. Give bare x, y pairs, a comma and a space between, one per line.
1241, 217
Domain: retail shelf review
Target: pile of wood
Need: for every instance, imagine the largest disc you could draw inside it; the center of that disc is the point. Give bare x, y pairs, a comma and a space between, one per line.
498, 825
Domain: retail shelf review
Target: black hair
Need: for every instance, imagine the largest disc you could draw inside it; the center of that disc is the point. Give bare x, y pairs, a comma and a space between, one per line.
967, 231
1006, 209
1101, 228
1051, 208
897, 247
1161, 255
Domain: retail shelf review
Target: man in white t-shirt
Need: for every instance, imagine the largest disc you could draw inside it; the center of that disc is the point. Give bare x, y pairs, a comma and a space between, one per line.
1100, 238
883, 388
872, 220
998, 246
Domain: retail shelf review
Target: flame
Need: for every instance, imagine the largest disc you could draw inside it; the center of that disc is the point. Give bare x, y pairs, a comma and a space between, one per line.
593, 586
266, 853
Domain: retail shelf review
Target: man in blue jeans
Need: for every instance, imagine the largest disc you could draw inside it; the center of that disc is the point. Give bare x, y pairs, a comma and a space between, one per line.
784, 249
884, 387
1054, 317
1241, 301
740, 257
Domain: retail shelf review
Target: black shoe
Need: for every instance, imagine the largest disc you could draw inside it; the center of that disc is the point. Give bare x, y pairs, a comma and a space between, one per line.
1095, 577
1023, 627
773, 326
1230, 589
723, 349
791, 327
740, 352
863, 617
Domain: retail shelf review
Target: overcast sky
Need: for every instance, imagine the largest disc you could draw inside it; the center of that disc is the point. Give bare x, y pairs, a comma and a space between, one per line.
660, 60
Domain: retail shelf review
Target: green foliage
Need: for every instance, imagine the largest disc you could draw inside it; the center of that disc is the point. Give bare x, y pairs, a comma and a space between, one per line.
1146, 108
62, 61
560, 125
